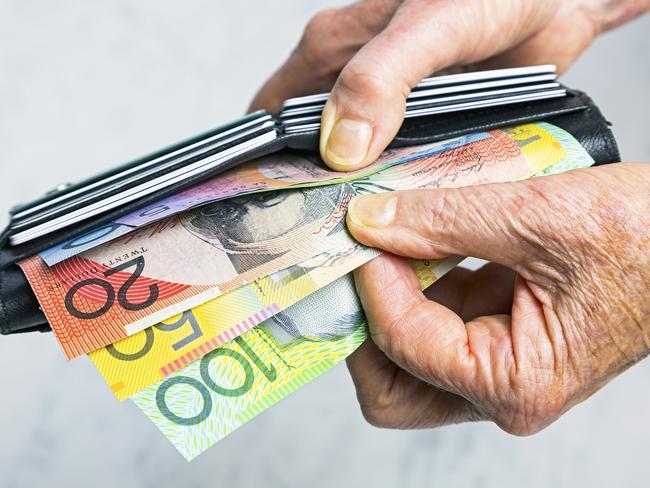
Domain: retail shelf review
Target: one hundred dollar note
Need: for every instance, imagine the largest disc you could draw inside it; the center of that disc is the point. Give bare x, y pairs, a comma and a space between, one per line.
151, 355
131, 283
202, 403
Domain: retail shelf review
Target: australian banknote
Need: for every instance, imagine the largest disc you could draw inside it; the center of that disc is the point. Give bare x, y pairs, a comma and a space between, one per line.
288, 169
149, 356
207, 400
201, 404
136, 281
139, 360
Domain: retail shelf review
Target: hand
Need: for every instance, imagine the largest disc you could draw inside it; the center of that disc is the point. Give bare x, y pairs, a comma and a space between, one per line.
519, 343
377, 50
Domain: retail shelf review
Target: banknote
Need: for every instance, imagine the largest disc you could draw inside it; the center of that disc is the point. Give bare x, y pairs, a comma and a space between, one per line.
575, 156
147, 357
202, 403
288, 169
133, 282
141, 360
117, 290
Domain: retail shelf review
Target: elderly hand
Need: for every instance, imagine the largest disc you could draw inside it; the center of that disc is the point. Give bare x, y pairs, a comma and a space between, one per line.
377, 50
517, 347
566, 309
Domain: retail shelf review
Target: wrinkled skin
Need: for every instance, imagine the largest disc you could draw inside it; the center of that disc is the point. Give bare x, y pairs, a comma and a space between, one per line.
375, 51
521, 347
563, 306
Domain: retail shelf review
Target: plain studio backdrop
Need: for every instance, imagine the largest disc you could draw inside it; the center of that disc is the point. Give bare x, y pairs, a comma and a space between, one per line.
85, 85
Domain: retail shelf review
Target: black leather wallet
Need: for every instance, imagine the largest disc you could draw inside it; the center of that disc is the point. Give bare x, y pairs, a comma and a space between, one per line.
430, 118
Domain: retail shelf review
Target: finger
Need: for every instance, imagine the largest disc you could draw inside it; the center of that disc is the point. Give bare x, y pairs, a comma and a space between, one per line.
431, 342
492, 222
419, 335
366, 107
330, 39
391, 397
560, 42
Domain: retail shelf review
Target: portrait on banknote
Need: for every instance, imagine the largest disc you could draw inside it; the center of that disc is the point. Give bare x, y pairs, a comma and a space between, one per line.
339, 315
260, 227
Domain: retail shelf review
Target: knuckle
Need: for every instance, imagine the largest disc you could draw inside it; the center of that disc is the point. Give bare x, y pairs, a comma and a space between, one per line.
385, 336
320, 25
389, 334
536, 404
321, 41
523, 427
402, 337
603, 227
521, 423
378, 416
442, 221
362, 80
380, 407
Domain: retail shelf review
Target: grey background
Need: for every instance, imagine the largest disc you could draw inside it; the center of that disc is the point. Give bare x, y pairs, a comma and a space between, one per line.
84, 85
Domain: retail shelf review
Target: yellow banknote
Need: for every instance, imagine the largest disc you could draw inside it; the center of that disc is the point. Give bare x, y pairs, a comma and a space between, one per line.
142, 359
539, 143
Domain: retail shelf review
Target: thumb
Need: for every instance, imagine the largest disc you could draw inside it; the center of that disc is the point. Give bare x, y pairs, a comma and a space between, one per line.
366, 106
485, 221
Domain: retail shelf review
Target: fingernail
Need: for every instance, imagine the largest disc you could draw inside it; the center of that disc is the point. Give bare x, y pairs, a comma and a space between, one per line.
376, 211
348, 142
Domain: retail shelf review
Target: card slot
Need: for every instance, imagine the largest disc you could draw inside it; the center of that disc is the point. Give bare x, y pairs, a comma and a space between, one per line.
307, 124
537, 88
485, 103
455, 79
152, 186
97, 203
177, 152
481, 85
411, 101
416, 106
510, 73
434, 103
303, 128
122, 185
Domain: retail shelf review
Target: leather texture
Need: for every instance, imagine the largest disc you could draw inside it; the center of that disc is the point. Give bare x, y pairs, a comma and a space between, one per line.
576, 113
19, 309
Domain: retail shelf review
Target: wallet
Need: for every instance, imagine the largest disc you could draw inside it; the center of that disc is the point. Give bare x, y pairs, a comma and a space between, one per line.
438, 108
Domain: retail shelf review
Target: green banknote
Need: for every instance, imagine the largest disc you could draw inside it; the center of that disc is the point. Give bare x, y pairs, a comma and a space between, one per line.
204, 402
